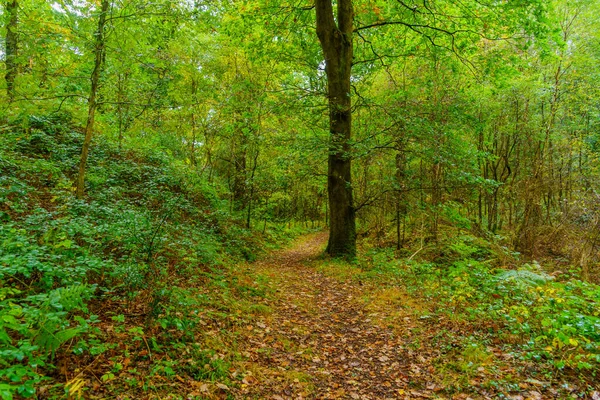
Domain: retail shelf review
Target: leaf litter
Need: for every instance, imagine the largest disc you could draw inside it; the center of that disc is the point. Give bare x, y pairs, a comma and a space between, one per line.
318, 335
331, 337
321, 341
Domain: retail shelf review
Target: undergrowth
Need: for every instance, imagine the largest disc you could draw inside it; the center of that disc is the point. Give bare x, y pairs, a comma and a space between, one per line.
116, 292
549, 323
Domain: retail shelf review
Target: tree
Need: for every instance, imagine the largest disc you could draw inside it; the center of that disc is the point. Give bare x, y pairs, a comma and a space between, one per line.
11, 49
455, 28
92, 104
336, 42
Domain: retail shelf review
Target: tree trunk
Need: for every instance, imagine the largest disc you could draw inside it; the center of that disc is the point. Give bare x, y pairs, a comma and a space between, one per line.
401, 208
193, 108
436, 197
95, 78
121, 87
336, 43
240, 147
251, 195
11, 48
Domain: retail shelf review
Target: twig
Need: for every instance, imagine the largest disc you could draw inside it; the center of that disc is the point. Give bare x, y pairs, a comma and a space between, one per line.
148, 347
422, 241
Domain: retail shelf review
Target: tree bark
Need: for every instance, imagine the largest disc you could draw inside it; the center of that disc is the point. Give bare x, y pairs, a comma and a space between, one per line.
11, 49
92, 105
121, 86
336, 43
436, 197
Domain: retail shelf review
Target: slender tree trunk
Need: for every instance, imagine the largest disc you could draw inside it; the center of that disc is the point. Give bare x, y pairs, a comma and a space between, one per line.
251, 196
11, 49
193, 161
95, 78
480, 147
239, 171
335, 37
401, 208
436, 197
120, 98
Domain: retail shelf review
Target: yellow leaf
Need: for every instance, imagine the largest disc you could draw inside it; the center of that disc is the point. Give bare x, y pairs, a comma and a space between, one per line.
573, 342
74, 387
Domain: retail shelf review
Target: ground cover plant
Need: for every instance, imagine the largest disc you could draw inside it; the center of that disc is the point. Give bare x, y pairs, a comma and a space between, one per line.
150, 288
498, 326
146, 243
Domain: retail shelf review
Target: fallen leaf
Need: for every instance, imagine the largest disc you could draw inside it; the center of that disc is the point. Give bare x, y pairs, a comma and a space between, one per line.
533, 395
203, 388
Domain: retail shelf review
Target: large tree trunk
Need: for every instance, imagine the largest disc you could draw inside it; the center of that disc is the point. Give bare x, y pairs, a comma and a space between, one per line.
336, 43
92, 105
11, 48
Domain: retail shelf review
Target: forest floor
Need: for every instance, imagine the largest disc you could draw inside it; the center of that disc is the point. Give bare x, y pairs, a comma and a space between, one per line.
299, 325
146, 291
321, 341
330, 336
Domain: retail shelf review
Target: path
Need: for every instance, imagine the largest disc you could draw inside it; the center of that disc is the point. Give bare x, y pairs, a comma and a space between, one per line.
319, 342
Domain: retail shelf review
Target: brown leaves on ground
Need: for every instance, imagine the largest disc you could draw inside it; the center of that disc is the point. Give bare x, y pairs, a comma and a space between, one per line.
321, 342
331, 336
322, 334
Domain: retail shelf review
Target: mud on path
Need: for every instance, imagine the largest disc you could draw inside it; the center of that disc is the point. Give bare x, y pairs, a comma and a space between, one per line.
319, 341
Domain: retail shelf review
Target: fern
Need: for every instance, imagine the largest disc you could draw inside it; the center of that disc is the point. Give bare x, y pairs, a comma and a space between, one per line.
52, 329
50, 341
69, 298
523, 277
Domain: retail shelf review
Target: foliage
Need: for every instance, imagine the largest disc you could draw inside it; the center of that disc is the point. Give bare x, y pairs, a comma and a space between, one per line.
59, 254
555, 320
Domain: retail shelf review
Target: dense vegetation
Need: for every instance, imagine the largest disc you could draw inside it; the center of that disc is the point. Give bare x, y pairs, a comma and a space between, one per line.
146, 228
148, 150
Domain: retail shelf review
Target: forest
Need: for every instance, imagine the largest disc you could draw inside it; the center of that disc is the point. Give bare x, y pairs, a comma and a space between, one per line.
300, 199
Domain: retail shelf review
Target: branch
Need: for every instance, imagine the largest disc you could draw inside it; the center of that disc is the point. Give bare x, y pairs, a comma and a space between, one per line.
371, 200
60, 96
325, 23
414, 27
